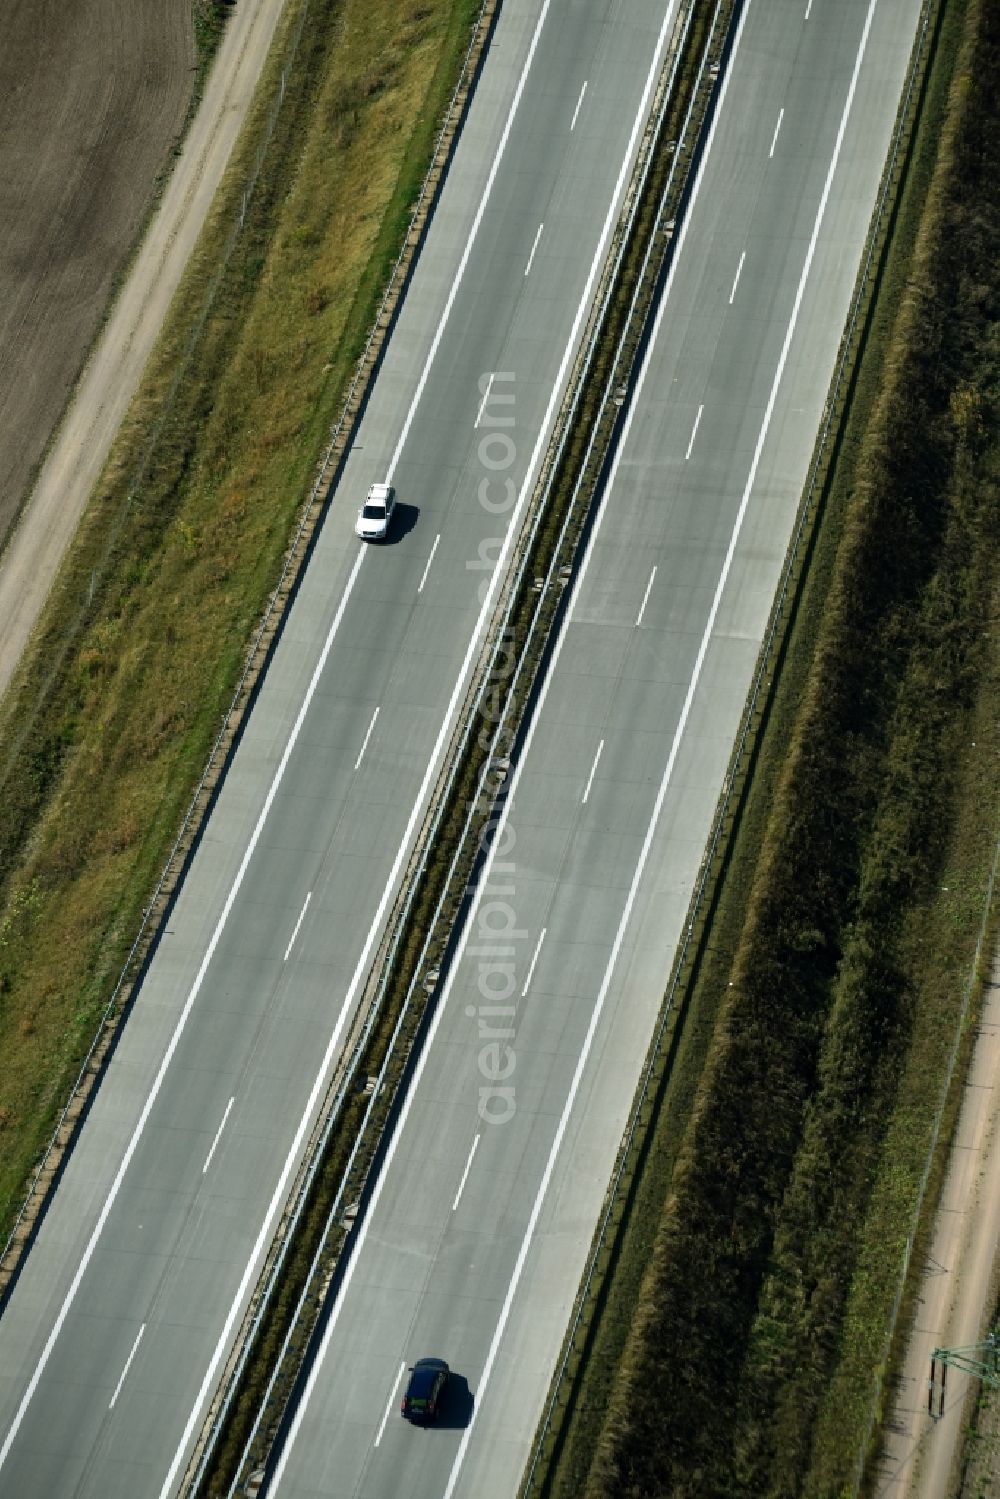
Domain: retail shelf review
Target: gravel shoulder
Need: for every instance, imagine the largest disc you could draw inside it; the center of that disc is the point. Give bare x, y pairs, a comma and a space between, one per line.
107, 169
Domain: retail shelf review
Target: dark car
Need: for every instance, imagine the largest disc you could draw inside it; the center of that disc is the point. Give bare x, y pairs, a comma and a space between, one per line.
428, 1380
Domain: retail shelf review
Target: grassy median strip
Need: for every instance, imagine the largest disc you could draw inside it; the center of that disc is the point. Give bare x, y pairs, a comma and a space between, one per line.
109, 724
735, 1347
247, 1437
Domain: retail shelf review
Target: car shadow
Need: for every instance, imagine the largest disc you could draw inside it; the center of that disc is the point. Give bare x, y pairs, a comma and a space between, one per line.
456, 1407
404, 518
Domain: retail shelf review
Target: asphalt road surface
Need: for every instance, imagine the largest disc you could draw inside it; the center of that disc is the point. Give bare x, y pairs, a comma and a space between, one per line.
116, 1329
483, 1212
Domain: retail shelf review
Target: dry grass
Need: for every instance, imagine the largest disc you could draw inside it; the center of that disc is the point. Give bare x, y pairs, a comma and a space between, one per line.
750, 1300
146, 631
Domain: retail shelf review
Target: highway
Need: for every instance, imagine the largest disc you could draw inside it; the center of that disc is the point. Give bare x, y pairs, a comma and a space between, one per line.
114, 1335
482, 1213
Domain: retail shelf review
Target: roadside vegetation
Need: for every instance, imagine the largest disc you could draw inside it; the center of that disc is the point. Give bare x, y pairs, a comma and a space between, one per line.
449, 862
209, 24
981, 1455
108, 725
736, 1346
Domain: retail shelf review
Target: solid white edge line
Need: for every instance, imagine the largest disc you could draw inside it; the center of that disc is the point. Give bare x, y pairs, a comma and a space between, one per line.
364, 746
218, 1137
682, 722
423, 580
593, 772
645, 599
534, 960
279, 1191
174, 1041
473, 232
512, 530
465, 1174
572, 123
362, 1231
484, 614
774, 138
736, 278
694, 433
302, 915
531, 257
486, 396
498, 574
392, 1400
128, 1365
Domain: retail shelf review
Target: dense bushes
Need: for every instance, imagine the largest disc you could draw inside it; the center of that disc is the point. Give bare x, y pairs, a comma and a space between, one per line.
742, 1306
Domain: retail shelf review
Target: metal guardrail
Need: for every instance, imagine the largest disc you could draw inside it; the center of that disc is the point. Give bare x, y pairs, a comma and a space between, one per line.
259, 652
735, 782
496, 630
251, 1466
352, 1184
90, 1070
259, 655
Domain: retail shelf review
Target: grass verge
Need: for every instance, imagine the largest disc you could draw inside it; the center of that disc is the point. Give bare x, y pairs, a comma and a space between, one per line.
734, 1350
208, 21
109, 723
981, 1454
259, 1404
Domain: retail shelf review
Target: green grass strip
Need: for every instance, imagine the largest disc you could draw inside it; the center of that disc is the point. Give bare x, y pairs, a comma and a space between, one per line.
110, 721
745, 1303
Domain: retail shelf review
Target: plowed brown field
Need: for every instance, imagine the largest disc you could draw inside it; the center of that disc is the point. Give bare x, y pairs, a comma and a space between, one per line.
93, 94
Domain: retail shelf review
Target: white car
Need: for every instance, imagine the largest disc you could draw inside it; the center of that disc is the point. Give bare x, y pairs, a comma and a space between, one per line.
376, 513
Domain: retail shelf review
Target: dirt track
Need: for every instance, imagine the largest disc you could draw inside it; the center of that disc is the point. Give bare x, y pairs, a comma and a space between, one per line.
955, 1289
92, 96
105, 163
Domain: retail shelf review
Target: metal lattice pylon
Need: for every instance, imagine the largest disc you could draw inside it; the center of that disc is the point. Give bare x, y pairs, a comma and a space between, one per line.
980, 1360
